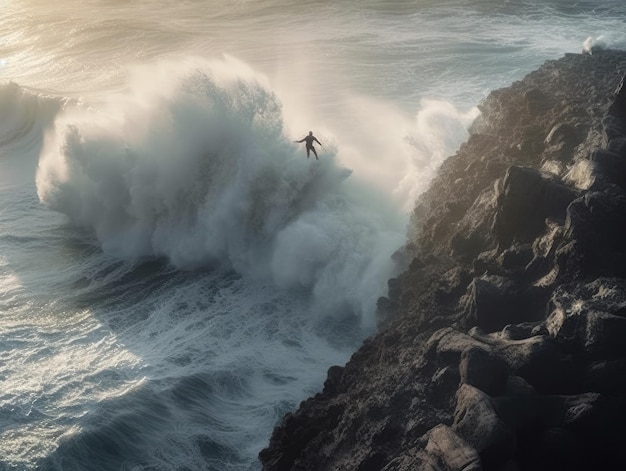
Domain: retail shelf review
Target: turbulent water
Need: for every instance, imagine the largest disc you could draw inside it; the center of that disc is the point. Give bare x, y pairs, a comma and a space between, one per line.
175, 275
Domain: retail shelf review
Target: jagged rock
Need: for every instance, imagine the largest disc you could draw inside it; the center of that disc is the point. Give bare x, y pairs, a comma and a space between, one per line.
492, 302
517, 386
442, 450
545, 249
504, 335
452, 284
516, 256
483, 370
449, 344
519, 412
526, 197
548, 426
595, 228
386, 308
487, 302
561, 141
478, 423
451, 450
618, 107
296, 432
445, 379
537, 101
521, 331
538, 360
610, 167
606, 376
580, 319
593, 412
556, 448
519, 354
333, 380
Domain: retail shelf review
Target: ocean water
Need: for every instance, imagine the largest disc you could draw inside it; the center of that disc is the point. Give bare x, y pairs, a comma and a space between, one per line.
175, 275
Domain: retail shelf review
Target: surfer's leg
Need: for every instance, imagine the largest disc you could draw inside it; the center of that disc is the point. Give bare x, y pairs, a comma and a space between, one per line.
315, 152
308, 151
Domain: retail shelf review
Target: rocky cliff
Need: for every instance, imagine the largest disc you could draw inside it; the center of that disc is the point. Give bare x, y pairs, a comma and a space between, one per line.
502, 346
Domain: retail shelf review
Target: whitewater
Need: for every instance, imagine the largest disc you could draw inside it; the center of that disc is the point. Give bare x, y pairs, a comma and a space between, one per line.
175, 274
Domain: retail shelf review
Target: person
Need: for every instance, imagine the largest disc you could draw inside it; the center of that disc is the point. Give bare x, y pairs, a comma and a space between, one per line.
309, 144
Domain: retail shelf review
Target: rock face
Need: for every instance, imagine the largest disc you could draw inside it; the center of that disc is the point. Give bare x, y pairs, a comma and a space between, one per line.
503, 345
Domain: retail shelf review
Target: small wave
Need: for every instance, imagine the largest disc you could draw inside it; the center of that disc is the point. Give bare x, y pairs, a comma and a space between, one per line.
24, 114
179, 423
604, 41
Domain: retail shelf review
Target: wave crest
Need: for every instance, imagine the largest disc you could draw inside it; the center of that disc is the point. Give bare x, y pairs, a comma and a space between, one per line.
197, 169
24, 114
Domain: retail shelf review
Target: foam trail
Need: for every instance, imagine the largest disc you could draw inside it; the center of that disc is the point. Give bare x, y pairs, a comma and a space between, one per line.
197, 168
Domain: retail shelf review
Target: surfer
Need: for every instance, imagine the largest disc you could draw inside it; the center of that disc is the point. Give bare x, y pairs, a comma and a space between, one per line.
309, 144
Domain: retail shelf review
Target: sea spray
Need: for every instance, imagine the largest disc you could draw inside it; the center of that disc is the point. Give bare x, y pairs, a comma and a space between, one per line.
198, 170
392, 150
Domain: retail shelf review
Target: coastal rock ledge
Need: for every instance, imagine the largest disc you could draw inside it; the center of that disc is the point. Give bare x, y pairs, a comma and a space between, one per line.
502, 345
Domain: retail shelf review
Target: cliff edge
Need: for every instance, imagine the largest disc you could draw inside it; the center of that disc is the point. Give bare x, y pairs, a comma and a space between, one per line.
502, 346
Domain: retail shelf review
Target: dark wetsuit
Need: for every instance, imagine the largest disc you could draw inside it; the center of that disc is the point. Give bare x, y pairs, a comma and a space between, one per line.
309, 144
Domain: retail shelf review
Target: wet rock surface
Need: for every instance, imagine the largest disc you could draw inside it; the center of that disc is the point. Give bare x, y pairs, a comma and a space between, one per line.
503, 345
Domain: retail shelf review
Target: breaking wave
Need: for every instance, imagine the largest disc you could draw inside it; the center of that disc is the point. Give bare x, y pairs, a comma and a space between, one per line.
192, 164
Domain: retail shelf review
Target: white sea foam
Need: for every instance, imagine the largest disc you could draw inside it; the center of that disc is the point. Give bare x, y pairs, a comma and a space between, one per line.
196, 167
611, 40
393, 151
